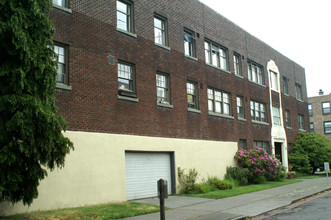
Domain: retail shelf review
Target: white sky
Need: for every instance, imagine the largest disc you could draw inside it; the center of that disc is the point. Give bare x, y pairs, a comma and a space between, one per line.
299, 29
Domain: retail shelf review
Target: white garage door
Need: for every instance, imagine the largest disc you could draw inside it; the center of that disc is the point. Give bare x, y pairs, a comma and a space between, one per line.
143, 170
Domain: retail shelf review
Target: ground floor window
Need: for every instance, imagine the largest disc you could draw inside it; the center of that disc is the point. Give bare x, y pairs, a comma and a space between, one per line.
262, 144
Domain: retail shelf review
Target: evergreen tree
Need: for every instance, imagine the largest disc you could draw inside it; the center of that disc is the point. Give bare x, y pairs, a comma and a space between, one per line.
31, 138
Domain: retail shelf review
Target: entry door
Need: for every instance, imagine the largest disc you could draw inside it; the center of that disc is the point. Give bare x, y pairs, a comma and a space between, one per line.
278, 151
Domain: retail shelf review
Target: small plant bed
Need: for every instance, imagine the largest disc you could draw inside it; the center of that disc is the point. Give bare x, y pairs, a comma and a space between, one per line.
238, 190
100, 212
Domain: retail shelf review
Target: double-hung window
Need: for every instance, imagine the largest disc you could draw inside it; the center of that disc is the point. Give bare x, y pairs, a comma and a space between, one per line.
189, 43
311, 127
285, 85
255, 73
310, 109
162, 88
126, 78
301, 122
62, 63
160, 30
326, 108
287, 119
242, 144
216, 55
274, 81
219, 101
240, 107
125, 15
327, 127
298, 91
258, 111
262, 144
62, 3
192, 95
276, 116
237, 65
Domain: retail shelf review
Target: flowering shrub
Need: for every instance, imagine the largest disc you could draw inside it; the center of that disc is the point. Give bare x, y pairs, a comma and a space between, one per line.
258, 162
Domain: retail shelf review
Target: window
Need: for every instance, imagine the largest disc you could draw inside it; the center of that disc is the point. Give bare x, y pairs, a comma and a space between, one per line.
274, 81
276, 116
189, 43
287, 119
162, 88
62, 3
258, 111
327, 127
216, 55
237, 64
240, 107
262, 144
126, 78
219, 102
192, 95
255, 73
62, 63
301, 122
298, 91
242, 144
285, 85
311, 127
125, 16
160, 30
326, 107
310, 109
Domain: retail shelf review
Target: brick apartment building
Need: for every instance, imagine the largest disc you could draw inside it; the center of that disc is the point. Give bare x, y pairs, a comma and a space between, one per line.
150, 86
319, 110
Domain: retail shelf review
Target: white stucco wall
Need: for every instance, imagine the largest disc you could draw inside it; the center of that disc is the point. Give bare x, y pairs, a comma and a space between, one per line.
94, 172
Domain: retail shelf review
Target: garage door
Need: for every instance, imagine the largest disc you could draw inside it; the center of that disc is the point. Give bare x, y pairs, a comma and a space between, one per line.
143, 170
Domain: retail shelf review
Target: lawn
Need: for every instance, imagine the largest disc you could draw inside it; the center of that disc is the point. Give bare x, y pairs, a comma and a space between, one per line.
238, 190
96, 212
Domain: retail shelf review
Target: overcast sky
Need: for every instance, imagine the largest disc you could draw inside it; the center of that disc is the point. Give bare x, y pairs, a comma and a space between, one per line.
299, 29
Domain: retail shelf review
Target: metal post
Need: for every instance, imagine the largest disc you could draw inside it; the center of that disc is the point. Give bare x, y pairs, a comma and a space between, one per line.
161, 191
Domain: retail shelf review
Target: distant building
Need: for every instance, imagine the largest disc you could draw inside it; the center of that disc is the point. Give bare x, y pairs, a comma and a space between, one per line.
319, 110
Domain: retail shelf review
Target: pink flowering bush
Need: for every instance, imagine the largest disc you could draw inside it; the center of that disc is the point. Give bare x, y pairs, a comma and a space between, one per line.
259, 163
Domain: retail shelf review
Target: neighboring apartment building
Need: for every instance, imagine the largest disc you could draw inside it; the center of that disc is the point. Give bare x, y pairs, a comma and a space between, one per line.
150, 86
319, 110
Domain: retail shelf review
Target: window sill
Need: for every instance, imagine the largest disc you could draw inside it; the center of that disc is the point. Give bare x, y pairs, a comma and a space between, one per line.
127, 33
193, 110
62, 8
120, 97
239, 76
274, 90
165, 105
264, 86
216, 67
192, 58
286, 95
220, 115
299, 100
260, 122
302, 130
162, 46
289, 128
63, 86
242, 119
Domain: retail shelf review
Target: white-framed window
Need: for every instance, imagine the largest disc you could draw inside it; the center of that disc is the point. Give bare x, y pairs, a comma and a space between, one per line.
326, 109
62, 63
160, 30
62, 3
276, 116
301, 122
274, 81
255, 73
189, 43
240, 107
285, 85
219, 101
126, 77
298, 91
258, 111
327, 127
124, 14
192, 95
288, 118
162, 88
216, 55
237, 64
311, 127
310, 109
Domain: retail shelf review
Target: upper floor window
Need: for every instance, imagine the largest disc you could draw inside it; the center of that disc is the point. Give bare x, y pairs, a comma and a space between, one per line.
189, 43
255, 73
258, 111
162, 88
298, 91
311, 127
301, 122
192, 95
310, 109
62, 3
285, 85
126, 77
125, 15
240, 107
276, 116
160, 30
216, 55
326, 107
62, 63
237, 64
287, 118
274, 81
327, 127
219, 101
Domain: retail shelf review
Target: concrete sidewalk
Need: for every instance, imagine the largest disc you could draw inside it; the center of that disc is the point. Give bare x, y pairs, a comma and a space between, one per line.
236, 207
